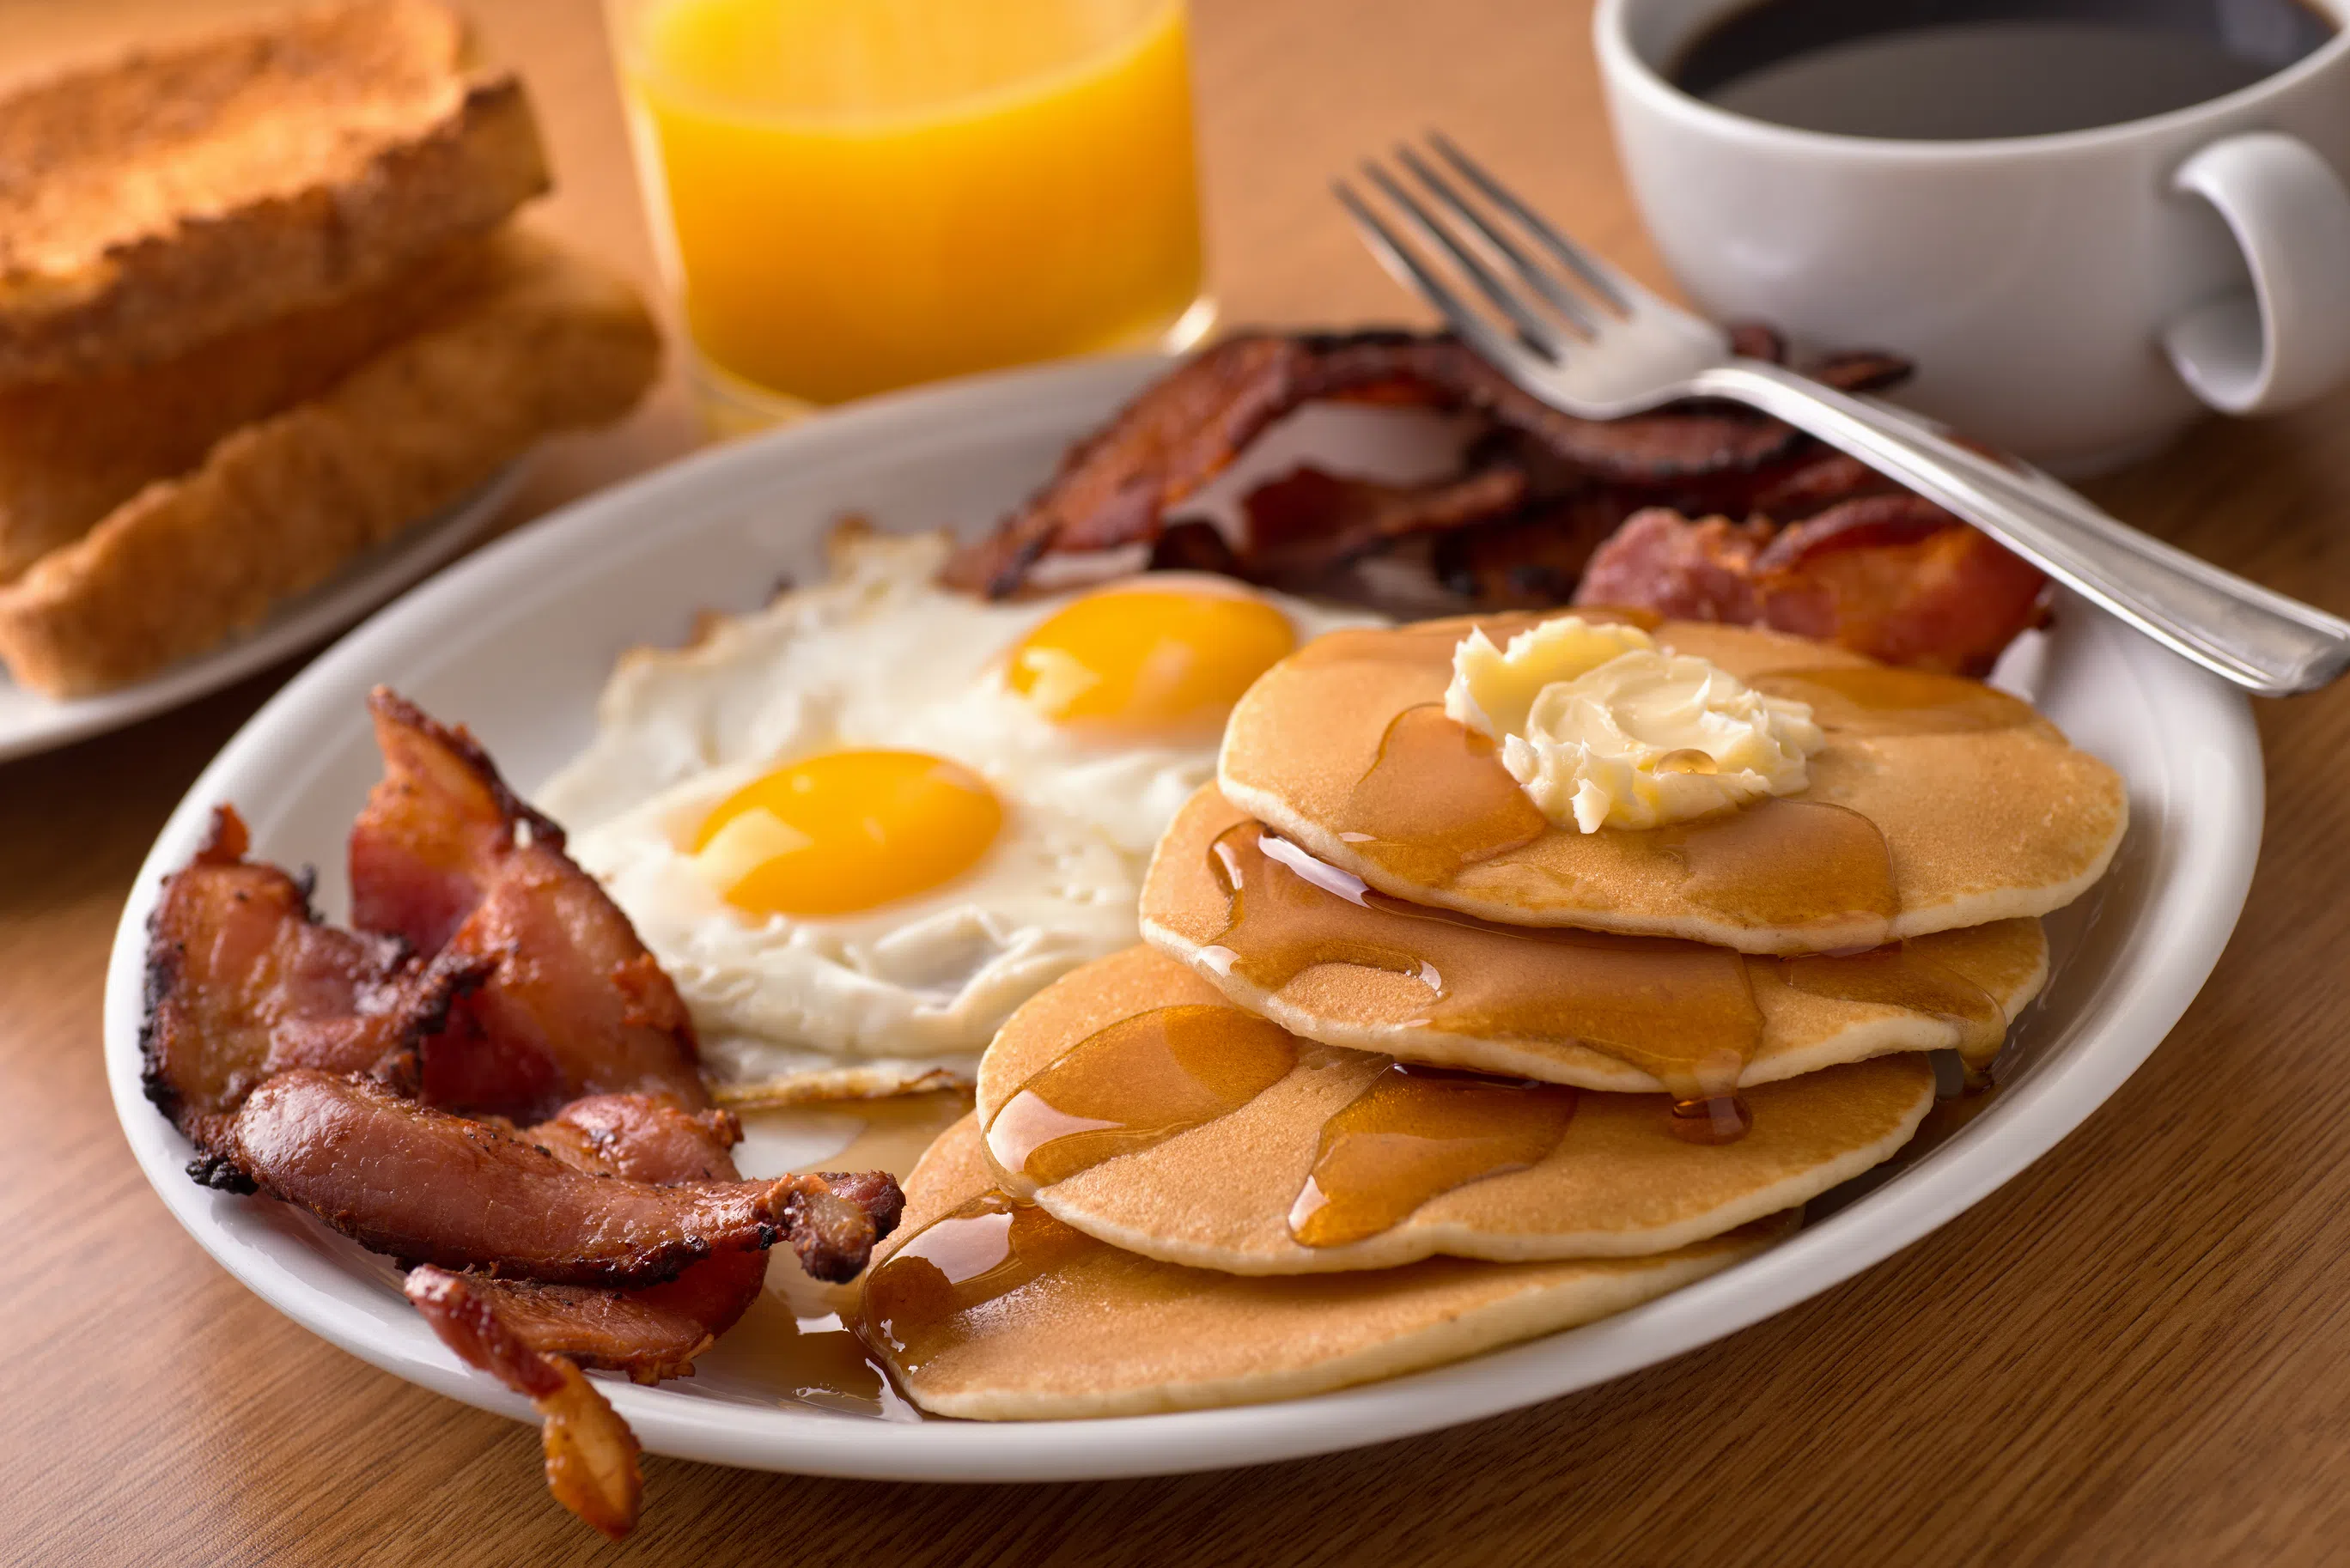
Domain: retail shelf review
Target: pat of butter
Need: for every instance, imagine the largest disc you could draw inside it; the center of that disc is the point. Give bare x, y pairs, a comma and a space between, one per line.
1603, 728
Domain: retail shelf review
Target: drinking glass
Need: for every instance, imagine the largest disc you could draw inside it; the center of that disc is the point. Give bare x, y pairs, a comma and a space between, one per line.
851, 195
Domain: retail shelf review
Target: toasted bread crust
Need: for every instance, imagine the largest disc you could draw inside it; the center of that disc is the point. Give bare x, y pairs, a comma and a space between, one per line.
71, 452
158, 203
548, 342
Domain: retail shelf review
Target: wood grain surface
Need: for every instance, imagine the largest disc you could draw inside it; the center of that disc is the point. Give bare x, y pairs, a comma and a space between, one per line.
2132, 1354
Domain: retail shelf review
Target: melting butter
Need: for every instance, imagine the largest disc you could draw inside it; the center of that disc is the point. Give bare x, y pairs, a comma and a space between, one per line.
1603, 728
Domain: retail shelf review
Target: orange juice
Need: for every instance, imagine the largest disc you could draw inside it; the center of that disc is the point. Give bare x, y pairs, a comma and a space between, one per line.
857, 195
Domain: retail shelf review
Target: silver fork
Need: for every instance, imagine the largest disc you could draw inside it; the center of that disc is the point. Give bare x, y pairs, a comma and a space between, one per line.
1584, 338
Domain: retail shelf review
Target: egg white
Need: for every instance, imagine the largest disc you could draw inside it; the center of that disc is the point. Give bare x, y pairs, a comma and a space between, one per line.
878, 657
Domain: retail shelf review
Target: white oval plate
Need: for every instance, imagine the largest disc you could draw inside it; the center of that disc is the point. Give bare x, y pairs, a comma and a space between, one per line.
30, 723
517, 641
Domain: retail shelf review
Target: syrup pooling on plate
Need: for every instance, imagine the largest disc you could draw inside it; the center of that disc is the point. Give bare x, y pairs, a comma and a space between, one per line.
1681, 1012
1140, 1082
1878, 701
1414, 1133
1899, 977
980, 1252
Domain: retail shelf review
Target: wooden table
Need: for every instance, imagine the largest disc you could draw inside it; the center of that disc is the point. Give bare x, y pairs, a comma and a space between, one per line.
2132, 1354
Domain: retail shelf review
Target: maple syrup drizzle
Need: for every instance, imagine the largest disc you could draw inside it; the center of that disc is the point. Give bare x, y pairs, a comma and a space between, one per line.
1681, 1012
1437, 799
1712, 1119
1136, 1083
1787, 863
1414, 1133
989, 1248
1876, 701
1901, 977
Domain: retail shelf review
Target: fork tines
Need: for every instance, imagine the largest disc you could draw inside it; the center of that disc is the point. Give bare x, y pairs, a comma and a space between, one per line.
1479, 231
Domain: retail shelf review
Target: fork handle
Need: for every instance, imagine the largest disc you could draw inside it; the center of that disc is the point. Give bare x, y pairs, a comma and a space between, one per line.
2260, 639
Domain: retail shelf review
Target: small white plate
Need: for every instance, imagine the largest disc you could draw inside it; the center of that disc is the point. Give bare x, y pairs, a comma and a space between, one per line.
517, 640
30, 723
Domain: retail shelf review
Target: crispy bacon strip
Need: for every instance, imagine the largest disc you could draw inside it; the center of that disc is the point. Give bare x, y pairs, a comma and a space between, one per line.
557, 998
1893, 576
530, 1336
1898, 579
242, 981
657, 1332
419, 1184
1812, 485
250, 997
1306, 522
620, 1331
1683, 570
1115, 488
591, 1456
1532, 560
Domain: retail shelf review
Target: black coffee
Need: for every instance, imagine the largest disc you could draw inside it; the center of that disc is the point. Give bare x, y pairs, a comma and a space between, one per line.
1959, 69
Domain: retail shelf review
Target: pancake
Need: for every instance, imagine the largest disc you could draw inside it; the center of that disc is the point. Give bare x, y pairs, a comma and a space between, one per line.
1626, 1015
1201, 1135
1936, 804
1071, 1328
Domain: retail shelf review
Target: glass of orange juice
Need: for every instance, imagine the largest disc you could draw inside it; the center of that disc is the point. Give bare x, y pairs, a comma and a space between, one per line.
851, 195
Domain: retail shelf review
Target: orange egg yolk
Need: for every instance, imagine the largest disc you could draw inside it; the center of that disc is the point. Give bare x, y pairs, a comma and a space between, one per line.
847, 831
1147, 660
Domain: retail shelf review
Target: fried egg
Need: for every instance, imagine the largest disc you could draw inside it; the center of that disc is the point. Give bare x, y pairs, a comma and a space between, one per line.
859, 827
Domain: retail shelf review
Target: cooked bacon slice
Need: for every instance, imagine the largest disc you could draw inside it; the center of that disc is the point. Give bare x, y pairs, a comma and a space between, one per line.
1898, 579
1531, 561
619, 1331
1683, 570
1115, 488
591, 1456
658, 1332
1893, 576
427, 1186
259, 1017
1862, 371
1300, 526
437, 828
242, 981
1812, 486
526, 1334
642, 1138
558, 998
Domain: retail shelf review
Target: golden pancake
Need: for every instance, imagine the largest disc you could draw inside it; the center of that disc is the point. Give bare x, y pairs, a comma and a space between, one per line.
998, 1311
1309, 947
1132, 1101
1936, 804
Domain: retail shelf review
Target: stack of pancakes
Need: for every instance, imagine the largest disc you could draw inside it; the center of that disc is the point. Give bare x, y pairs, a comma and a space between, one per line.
1407, 1072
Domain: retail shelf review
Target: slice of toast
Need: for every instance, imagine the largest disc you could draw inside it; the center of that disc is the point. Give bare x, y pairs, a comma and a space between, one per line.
71, 452
546, 342
161, 201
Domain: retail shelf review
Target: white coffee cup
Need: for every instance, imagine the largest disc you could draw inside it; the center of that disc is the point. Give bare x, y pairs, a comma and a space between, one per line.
2077, 299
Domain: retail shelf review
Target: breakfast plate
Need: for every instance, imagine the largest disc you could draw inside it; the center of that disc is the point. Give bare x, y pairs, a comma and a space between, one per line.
31, 723
518, 642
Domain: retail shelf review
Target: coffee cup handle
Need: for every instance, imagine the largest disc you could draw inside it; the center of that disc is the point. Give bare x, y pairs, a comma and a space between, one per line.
2287, 338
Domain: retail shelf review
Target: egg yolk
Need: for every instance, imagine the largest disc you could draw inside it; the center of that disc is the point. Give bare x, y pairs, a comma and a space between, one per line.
846, 831
1146, 660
